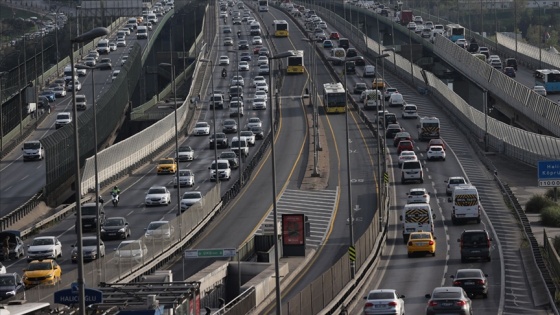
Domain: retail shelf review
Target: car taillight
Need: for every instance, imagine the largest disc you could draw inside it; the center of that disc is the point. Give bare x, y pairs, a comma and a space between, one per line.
432, 303
488, 242
461, 303
392, 303
480, 281
425, 196
431, 242
457, 283
368, 305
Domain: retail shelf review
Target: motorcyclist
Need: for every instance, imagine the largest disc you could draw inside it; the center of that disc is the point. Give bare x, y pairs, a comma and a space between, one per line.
238, 34
115, 191
224, 72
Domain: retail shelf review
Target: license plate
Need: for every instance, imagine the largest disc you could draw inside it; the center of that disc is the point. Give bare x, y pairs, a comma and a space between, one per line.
112, 233
410, 230
421, 244
446, 304
87, 225
379, 305
469, 282
475, 251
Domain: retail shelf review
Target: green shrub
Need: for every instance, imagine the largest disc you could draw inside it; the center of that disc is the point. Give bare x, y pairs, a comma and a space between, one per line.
550, 216
537, 203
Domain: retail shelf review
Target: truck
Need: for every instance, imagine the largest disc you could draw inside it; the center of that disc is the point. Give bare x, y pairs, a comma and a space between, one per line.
406, 17
417, 217
428, 128
466, 204
91, 217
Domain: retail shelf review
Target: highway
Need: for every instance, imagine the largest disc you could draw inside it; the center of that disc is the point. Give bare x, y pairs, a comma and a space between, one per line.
19, 181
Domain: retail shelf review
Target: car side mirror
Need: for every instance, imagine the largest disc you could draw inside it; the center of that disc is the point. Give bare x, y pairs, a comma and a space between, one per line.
433, 216
402, 296
452, 276
401, 218
102, 212
435, 238
428, 296
72, 245
458, 240
365, 297
450, 199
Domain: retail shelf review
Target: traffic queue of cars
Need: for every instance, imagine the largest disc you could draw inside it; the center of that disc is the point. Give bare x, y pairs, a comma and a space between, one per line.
417, 217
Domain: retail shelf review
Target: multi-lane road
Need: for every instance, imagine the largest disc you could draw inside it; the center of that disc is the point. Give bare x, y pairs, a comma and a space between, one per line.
19, 181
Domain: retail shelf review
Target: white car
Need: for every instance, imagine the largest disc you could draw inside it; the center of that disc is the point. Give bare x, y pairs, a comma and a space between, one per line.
261, 95
237, 80
157, 195
59, 91
44, 247
249, 135
121, 42
264, 70
159, 230
493, 57
224, 61
539, 89
243, 66
322, 25
190, 198
409, 111
123, 59
186, 153
257, 40
133, 251
418, 195
201, 128
453, 182
387, 300
113, 46
115, 74
262, 86
2, 269
259, 104
388, 92
263, 60
253, 122
407, 156
186, 178
70, 86
435, 152
257, 79
411, 26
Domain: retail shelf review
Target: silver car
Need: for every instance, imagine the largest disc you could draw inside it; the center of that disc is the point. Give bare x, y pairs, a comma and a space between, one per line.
186, 178
449, 300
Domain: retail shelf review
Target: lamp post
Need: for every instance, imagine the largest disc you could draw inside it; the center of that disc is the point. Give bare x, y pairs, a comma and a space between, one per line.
540, 35
379, 148
94, 33
1, 114
239, 105
214, 117
95, 165
394, 57
281, 55
176, 133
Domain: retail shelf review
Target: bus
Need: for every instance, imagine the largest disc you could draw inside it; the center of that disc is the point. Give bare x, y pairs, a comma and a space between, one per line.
454, 32
295, 63
21, 307
281, 28
263, 5
334, 98
549, 78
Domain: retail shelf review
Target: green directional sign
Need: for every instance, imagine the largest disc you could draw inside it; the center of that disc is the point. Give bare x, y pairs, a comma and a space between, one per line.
210, 253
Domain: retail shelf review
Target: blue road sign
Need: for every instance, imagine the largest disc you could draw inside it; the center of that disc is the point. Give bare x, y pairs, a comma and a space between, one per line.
75, 287
69, 297
549, 173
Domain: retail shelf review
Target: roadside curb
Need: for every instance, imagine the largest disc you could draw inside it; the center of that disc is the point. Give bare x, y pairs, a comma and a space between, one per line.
311, 181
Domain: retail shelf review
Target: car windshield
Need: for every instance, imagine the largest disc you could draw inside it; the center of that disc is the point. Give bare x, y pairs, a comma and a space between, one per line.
457, 181
468, 274
191, 195
417, 193
42, 241
157, 225
254, 120
419, 236
31, 145
87, 210
246, 133
185, 173
114, 222
166, 161
39, 266
156, 191
88, 242
63, 116
381, 296
200, 125
228, 155
7, 280
185, 149
129, 246
447, 295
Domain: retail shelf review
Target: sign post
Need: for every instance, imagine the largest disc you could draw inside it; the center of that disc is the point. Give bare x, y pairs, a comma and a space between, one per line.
549, 175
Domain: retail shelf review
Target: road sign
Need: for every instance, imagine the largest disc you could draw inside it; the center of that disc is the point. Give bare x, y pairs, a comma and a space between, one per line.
549, 173
210, 253
75, 287
352, 253
69, 297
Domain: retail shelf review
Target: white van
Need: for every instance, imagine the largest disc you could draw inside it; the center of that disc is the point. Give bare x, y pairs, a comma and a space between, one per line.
103, 47
33, 150
466, 204
240, 147
81, 102
372, 99
369, 71
224, 171
417, 217
142, 32
152, 18
68, 74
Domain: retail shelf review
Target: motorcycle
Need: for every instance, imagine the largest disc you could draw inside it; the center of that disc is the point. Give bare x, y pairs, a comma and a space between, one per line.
115, 199
238, 34
224, 73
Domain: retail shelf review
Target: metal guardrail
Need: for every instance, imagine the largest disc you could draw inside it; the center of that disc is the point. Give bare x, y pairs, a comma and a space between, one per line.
20, 212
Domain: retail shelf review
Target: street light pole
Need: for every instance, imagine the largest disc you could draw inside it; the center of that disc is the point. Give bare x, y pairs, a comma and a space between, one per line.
349, 179
278, 305
94, 33
540, 36
240, 169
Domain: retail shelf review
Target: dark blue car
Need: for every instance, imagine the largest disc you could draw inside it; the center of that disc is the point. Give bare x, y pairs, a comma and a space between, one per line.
245, 56
10, 285
49, 94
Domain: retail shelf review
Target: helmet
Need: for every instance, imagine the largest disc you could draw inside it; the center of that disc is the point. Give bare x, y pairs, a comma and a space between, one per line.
116, 187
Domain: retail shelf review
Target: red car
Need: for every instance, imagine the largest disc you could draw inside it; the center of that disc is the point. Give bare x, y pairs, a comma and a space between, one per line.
401, 136
334, 35
256, 49
405, 145
435, 142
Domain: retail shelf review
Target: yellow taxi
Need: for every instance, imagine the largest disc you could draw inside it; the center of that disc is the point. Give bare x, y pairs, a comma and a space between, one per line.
378, 84
167, 166
421, 242
140, 19
45, 271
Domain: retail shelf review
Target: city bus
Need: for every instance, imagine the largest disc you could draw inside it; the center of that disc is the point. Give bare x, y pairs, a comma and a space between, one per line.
334, 98
295, 63
454, 32
281, 28
263, 5
549, 78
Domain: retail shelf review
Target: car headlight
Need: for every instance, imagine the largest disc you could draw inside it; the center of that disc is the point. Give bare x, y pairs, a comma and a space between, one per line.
11, 293
103, 230
50, 275
122, 230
